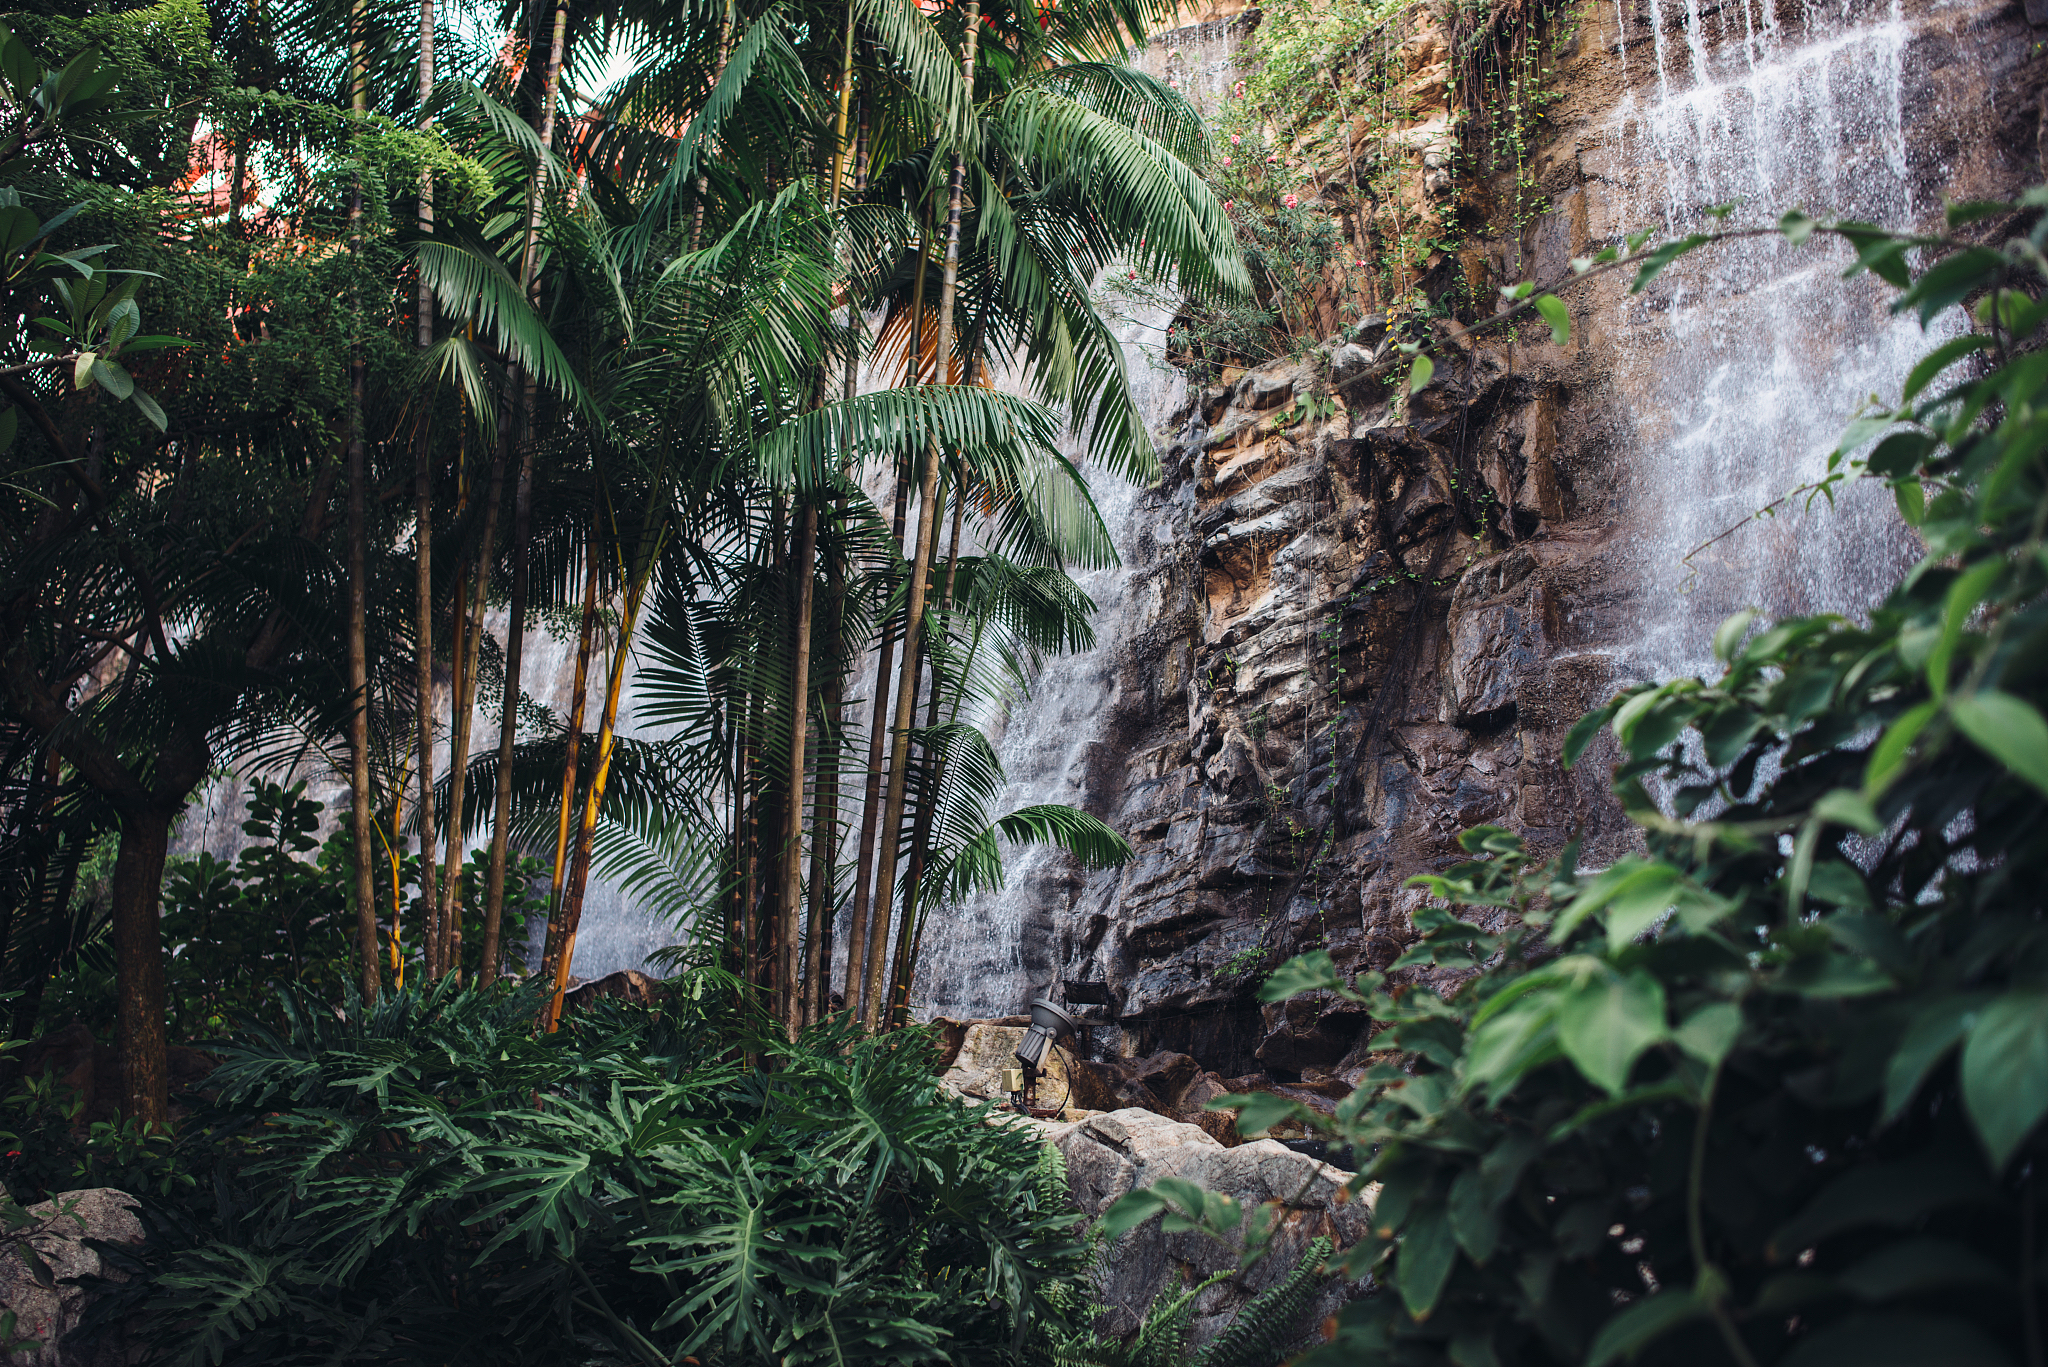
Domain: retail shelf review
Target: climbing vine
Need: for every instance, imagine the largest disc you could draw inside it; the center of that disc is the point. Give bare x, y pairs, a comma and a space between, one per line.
1369, 157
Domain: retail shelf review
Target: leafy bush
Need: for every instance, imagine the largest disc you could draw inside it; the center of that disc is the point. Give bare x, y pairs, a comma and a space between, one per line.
429, 1181
235, 933
1771, 1090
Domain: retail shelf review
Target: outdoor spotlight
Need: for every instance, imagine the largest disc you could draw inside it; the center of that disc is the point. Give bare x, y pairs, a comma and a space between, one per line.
1048, 1025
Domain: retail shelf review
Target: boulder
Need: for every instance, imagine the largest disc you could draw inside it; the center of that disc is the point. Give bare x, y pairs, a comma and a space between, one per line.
62, 1231
988, 1047
1109, 1155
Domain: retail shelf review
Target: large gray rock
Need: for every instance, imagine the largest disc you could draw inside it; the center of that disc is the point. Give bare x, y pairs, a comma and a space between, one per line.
59, 1235
1108, 1155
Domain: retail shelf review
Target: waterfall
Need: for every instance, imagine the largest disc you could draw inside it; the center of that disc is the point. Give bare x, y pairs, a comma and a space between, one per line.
988, 955
1740, 367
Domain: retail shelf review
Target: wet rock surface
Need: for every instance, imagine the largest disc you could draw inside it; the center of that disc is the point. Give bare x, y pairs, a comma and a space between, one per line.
1367, 623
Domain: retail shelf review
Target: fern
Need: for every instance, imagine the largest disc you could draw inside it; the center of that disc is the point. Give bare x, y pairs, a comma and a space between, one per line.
1269, 1325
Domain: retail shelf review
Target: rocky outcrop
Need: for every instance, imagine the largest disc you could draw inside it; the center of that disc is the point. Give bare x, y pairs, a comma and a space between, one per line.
1367, 619
44, 1294
1109, 1155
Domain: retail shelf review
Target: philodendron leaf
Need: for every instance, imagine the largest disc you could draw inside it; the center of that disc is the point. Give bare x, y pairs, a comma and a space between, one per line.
1428, 1249
2005, 1072
1557, 315
1605, 1025
2007, 729
1419, 374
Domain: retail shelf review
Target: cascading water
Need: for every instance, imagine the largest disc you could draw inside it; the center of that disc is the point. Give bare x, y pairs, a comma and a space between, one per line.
987, 955
1744, 362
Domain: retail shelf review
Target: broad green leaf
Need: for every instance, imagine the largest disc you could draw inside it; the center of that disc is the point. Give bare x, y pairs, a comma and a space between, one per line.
1654, 264
1419, 374
1130, 1210
1836, 975
1796, 226
1935, 1029
1846, 808
1888, 756
1639, 880
1728, 637
2005, 1072
2007, 729
1585, 728
113, 378
1635, 1328
1557, 315
1971, 210
1314, 971
1911, 498
151, 410
1258, 1112
1427, 1251
1965, 596
1931, 365
1475, 1222
1640, 903
81, 370
1500, 1051
1605, 1025
1710, 1032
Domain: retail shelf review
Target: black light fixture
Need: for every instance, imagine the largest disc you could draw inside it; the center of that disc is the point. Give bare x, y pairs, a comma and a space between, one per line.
1049, 1025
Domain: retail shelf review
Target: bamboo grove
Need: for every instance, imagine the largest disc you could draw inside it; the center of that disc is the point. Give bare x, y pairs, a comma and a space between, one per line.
732, 344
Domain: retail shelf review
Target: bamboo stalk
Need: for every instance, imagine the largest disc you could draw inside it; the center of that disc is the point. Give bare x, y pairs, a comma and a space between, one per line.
921, 565
358, 563
551, 951
579, 869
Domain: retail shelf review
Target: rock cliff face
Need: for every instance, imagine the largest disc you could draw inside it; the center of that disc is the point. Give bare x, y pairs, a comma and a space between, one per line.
1357, 622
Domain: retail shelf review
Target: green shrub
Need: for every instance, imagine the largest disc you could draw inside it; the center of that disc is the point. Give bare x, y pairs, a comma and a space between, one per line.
1770, 1091
428, 1181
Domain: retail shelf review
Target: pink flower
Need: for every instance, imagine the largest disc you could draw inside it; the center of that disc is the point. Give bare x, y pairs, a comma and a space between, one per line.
1236, 138
1270, 160
1361, 263
1291, 200
1238, 90
1226, 206
1226, 161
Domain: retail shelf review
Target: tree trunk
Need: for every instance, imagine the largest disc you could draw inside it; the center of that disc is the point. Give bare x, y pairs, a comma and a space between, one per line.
358, 592
470, 628
864, 915
551, 952
914, 891
139, 962
790, 997
423, 538
921, 565
522, 535
579, 869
